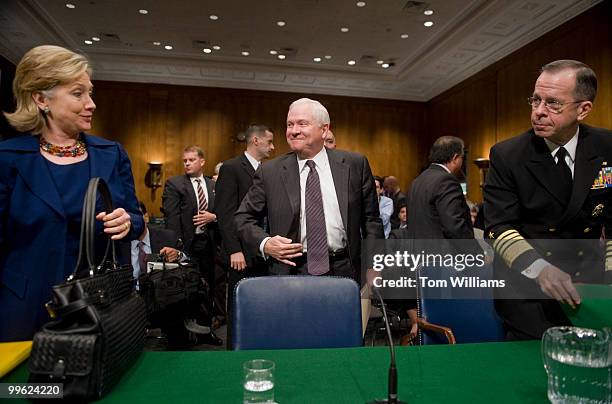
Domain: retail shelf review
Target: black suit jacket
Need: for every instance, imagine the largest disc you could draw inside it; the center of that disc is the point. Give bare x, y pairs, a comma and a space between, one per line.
179, 205
438, 209
527, 219
275, 193
235, 179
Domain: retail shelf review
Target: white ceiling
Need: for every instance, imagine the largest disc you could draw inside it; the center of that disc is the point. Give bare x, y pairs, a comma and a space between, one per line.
467, 36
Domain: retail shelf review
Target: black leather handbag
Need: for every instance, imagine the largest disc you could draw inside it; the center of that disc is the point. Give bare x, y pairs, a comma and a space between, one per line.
99, 321
170, 287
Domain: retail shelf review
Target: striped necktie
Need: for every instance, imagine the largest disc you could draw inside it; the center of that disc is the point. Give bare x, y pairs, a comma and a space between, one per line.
316, 233
202, 202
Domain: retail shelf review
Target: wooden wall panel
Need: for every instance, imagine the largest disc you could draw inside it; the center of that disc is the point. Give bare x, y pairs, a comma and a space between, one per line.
155, 122
468, 113
491, 106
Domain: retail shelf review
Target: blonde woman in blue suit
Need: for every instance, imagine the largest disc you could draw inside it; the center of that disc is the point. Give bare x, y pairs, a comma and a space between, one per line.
43, 178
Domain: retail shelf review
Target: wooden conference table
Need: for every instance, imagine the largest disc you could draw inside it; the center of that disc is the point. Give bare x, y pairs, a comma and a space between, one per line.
509, 372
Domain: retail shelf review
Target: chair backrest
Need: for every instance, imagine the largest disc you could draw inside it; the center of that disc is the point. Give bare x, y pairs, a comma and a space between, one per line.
292, 312
471, 319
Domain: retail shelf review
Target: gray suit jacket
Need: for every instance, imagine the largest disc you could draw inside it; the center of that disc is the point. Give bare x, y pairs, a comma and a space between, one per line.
276, 193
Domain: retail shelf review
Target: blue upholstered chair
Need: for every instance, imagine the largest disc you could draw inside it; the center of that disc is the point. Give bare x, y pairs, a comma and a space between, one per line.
459, 320
286, 312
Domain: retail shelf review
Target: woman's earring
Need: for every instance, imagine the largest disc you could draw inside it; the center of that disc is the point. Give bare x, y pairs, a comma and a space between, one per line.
46, 110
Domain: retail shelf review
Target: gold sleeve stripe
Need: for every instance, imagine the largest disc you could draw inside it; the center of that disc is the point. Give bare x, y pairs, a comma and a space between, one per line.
510, 245
506, 244
507, 239
504, 250
515, 251
508, 234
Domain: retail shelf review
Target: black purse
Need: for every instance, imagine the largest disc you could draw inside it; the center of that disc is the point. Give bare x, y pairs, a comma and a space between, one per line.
99, 321
171, 287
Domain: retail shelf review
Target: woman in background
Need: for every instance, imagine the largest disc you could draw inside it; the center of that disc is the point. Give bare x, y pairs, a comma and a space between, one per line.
43, 179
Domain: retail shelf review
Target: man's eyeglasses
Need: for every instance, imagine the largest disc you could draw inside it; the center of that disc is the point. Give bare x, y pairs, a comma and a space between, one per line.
553, 106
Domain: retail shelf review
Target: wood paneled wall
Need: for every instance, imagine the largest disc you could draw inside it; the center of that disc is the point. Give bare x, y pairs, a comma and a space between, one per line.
491, 106
155, 122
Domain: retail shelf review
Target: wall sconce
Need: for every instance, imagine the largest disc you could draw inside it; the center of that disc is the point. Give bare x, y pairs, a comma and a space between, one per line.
154, 175
483, 166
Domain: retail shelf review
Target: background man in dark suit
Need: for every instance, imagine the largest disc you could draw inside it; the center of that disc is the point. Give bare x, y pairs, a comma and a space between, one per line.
438, 209
393, 191
235, 179
330, 140
546, 185
188, 203
319, 202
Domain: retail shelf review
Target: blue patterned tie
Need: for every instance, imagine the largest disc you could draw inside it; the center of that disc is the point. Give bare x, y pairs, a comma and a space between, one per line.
316, 233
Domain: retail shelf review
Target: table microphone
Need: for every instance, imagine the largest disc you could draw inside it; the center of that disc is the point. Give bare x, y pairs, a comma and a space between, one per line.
392, 398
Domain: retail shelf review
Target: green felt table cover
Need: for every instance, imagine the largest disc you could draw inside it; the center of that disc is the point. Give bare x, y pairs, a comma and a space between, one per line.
508, 372
595, 308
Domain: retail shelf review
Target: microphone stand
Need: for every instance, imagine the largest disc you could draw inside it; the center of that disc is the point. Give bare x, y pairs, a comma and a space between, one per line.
392, 382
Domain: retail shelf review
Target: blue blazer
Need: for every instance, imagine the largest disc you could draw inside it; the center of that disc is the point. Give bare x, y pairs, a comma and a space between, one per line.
33, 227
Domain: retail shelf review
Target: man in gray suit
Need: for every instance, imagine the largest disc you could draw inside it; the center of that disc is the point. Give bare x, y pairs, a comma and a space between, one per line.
188, 203
319, 202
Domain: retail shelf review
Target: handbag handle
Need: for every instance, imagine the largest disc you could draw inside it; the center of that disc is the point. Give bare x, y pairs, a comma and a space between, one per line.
88, 229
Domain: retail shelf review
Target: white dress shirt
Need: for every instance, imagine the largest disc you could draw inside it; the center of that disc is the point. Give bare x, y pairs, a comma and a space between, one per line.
570, 147
135, 250
336, 235
252, 160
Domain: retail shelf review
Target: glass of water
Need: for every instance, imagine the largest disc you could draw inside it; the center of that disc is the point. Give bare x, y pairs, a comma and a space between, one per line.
578, 362
258, 381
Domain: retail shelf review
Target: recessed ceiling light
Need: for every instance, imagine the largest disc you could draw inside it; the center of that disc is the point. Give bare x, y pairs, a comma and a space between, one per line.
428, 12
385, 65
70, 5
404, 36
88, 42
213, 17
245, 53
273, 52
328, 57
143, 11
216, 47
206, 50
317, 59
168, 47
156, 43
380, 62
361, 4
351, 62
428, 23
281, 23
281, 57
344, 29
95, 38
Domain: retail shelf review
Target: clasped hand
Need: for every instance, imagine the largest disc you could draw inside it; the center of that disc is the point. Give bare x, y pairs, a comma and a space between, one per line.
283, 249
117, 223
203, 218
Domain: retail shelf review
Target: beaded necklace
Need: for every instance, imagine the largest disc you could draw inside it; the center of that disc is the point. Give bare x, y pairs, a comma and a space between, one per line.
77, 149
